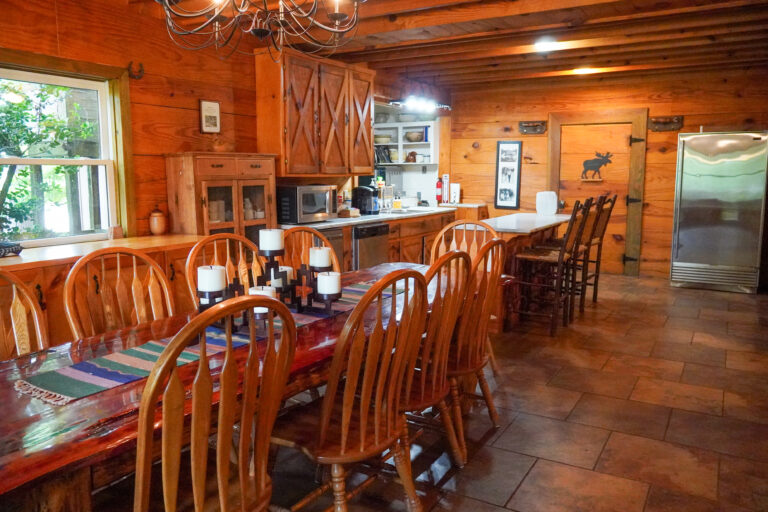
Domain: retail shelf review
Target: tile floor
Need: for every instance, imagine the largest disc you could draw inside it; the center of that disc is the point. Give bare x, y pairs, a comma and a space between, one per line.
656, 399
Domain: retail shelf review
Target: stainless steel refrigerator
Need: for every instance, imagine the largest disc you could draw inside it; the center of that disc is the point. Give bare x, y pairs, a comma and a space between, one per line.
719, 210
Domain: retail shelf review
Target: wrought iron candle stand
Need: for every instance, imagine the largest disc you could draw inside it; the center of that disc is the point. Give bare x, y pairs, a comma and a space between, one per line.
207, 300
309, 275
272, 271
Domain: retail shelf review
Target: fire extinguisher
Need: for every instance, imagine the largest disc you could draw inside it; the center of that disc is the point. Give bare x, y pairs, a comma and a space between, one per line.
439, 190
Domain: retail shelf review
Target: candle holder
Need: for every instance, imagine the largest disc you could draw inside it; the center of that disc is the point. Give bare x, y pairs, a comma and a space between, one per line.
328, 299
306, 277
207, 300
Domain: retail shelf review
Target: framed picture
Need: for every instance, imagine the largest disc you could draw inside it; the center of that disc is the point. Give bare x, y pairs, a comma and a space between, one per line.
210, 116
508, 155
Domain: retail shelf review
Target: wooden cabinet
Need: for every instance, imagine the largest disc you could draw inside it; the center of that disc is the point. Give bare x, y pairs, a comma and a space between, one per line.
411, 239
315, 114
212, 193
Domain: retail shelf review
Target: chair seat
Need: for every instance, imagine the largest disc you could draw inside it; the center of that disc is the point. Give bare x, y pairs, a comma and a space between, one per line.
429, 395
300, 428
542, 254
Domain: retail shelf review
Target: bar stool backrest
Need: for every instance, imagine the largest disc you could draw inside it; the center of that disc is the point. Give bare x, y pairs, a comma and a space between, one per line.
572, 230
590, 227
605, 216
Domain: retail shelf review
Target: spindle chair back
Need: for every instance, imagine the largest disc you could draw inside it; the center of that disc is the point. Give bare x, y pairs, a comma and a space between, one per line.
462, 235
115, 287
447, 279
22, 324
372, 365
299, 240
470, 346
253, 405
237, 254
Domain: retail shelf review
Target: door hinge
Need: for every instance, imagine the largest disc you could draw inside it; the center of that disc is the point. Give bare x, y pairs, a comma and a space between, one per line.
631, 200
632, 140
625, 258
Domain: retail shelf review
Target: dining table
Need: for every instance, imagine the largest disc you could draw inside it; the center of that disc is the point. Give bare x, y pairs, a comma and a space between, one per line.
54, 457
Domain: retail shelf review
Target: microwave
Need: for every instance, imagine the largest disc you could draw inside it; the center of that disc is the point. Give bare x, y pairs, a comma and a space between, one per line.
301, 204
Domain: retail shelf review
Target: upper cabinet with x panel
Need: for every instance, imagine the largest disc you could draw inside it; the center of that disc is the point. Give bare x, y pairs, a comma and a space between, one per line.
315, 114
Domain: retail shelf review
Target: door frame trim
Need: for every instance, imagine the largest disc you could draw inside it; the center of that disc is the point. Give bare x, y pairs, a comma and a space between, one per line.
638, 118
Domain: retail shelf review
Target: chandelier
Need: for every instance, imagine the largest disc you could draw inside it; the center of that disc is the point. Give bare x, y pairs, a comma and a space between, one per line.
305, 25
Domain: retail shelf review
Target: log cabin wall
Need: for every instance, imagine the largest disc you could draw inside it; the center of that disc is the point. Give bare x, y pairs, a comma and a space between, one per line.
165, 102
735, 99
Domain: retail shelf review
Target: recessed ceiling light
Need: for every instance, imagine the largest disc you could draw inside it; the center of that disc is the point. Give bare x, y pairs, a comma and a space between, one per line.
585, 71
548, 45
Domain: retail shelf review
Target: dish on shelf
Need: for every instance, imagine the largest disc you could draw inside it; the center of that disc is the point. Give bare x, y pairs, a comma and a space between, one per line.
414, 136
406, 118
382, 139
381, 117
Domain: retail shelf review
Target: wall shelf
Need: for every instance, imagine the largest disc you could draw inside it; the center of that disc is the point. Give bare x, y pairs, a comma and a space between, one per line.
397, 131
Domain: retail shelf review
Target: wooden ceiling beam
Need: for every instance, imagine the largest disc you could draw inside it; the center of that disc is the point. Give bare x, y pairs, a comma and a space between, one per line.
545, 20
712, 61
587, 55
602, 79
565, 67
576, 38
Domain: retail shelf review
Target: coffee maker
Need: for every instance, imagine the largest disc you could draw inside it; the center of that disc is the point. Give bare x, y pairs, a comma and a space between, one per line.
366, 199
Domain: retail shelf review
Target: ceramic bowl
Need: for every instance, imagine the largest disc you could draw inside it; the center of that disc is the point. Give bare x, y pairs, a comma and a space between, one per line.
414, 136
382, 139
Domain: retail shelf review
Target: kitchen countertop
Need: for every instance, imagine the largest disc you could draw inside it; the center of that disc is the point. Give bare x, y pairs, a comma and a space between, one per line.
418, 211
526, 223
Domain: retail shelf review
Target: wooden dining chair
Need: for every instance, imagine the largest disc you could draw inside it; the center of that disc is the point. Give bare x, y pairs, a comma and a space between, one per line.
360, 416
115, 287
239, 256
469, 236
447, 279
16, 316
299, 240
248, 389
462, 235
469, 351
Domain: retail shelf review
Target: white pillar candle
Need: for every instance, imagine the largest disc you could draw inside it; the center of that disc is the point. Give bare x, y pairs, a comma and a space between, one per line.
211, 278
267, 291
328, 283
319, 256
271, 239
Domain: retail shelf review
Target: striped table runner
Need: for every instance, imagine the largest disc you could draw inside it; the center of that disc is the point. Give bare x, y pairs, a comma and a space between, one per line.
85, 378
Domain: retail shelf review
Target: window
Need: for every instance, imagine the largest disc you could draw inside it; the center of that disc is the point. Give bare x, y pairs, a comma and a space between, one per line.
57, 181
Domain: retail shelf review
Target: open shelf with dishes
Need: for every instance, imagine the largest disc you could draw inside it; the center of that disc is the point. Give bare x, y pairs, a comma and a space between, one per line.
394, 142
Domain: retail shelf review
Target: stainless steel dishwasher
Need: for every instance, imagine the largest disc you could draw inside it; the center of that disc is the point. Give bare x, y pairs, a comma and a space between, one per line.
336, 237
370, 245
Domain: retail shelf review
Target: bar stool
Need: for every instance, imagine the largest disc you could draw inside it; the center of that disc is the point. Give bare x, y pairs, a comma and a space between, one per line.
596, 241
550, 272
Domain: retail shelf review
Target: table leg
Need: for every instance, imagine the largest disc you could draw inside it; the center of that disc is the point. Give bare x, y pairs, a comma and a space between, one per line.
58, 492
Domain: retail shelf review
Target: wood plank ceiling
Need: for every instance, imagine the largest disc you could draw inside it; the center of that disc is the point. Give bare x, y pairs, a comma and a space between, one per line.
461, 44
458, 44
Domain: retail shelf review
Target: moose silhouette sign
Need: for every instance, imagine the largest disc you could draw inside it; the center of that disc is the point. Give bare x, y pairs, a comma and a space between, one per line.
594, 165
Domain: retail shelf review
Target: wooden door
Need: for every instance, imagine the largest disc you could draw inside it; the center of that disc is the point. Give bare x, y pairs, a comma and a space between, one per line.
219, 206
595, 160
334, 119
360, 122
302, 116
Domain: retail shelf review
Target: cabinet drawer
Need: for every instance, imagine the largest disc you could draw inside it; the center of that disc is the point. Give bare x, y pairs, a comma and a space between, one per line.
215, 167
422, 225
255, 167
394, 230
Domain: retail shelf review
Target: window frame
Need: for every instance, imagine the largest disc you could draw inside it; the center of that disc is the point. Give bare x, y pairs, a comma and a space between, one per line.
106, 149
118, 80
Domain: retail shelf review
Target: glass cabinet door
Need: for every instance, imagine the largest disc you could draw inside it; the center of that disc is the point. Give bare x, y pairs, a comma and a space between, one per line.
220, 213
256, 207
